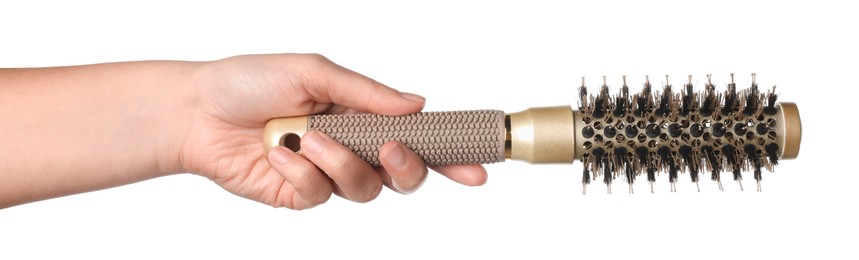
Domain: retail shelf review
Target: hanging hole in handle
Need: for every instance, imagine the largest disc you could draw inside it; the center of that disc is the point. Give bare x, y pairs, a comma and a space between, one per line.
291, 141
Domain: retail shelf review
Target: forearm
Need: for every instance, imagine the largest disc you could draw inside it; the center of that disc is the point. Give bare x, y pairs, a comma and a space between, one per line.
75, 129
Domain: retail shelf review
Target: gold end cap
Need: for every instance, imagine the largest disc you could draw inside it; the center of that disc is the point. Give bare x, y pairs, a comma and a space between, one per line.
790, 129
284, 132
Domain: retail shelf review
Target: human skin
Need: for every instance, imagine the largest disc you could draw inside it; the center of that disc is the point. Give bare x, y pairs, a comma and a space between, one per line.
69, 130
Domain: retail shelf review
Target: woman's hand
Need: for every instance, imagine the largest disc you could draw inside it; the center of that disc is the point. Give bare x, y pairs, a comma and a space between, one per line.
68, 130
238, 95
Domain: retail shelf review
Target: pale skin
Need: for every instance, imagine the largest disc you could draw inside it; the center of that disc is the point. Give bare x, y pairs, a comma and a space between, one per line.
69, 130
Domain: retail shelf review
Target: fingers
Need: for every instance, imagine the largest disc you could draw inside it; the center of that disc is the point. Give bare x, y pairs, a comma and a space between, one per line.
470, 175
404, 171
311, 186
354, 179
327, 82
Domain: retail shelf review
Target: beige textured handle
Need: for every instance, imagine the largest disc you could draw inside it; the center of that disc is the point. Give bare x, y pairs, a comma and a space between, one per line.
439, 138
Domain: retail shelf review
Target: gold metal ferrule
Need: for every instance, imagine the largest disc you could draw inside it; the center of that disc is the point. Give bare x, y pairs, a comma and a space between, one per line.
543, 135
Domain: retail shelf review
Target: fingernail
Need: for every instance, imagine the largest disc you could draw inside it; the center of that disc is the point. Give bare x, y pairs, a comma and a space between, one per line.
279, 155
396, 156
413, 97
312, 142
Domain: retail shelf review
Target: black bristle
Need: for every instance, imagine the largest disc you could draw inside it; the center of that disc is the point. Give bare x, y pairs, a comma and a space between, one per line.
674, 130
604, 90
602, 162
738, 175
607, 171
730, 105
609, 132
642, 101
599, 107
587, 132
672, 171
621, 101
598, 153
601, 102
687, 100
663, 152
719, 130
686, 153
651, 174
652, 130
740, 129
751, 153
771, 99
583, 95
696, 130
665, 156
644, 159
619, 107
685, 150
770, 110
761, 129
708, 105
730, 154
713, 160
621, 154
631, 131
752, 101
772, 153
664, 108
586, 176
642, 153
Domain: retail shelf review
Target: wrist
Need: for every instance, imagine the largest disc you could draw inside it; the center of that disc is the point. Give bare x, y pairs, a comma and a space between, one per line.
177, 116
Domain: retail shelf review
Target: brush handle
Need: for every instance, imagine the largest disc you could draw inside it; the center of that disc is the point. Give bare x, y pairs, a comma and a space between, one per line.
439, 138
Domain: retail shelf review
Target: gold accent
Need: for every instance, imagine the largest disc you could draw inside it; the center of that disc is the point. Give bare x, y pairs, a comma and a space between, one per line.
276, 129
543, 135
788, 129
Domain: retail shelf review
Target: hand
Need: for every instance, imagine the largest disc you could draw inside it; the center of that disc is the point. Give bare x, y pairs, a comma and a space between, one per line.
238, 95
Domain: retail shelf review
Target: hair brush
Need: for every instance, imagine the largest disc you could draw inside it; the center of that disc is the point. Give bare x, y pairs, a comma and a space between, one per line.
625, 135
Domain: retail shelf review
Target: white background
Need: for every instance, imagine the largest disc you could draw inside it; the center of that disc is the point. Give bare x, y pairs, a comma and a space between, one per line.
461, 55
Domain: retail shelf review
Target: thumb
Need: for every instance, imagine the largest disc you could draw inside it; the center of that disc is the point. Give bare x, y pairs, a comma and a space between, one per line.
331, 83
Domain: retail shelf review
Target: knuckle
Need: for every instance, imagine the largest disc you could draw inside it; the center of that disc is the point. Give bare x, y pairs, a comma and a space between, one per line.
315, 58
377, 85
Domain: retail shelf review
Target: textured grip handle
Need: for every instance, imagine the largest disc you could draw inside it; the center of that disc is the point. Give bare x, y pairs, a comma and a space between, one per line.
439, 138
